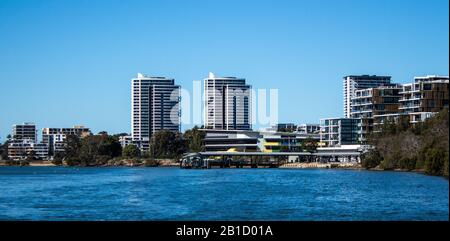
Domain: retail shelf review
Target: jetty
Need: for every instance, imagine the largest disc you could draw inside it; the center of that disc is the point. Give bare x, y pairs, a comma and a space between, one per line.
224, 159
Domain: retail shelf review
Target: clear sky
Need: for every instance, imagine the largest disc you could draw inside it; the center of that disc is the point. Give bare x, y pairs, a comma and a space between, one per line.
70, 62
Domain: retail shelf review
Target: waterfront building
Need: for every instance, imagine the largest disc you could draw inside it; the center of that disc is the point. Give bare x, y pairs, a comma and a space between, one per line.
339, 131
154, 106
284, 141
341, 153
230, 140
352, 83
254, 141
308, 129
21, 149
425, 97
77, 130
371, 105
282, 127
227, 103
286, 127
55, 137
125, 140
25, 131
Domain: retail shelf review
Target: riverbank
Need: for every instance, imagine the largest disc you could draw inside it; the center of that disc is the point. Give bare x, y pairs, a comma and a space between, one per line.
27, 163
344, 165
319, 165
110, 163
173, 163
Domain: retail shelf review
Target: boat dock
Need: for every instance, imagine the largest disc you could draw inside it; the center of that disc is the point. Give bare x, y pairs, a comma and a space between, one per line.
206, 160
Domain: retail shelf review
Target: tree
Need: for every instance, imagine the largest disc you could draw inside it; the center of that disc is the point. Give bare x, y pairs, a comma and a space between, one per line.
167, 144
309, 145
371, 159
91, 150
102, 133
72, 146
405, 146
4, 151
194, 139
58, 158
97, 149
131, 151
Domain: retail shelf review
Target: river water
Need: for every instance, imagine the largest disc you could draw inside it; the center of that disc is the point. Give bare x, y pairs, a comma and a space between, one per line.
121, 193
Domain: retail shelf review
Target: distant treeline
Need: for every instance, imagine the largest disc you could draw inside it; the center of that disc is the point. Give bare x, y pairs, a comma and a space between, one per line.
102, 148
423, 146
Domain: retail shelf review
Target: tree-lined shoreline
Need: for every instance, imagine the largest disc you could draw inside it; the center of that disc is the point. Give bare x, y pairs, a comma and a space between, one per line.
422, 147
400, 146
103, 149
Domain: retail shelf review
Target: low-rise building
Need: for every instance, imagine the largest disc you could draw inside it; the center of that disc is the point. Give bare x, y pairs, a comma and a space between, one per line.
55, 137
125, 140
22, 149
231, 140
308, 129
284, 141
343, 153
255, 141
340, 131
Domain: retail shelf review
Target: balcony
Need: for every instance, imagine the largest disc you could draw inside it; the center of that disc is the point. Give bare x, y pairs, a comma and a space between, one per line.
409, 107
409, 91
408, 99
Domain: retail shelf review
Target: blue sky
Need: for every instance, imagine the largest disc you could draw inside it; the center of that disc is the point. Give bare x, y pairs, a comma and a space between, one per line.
70, 62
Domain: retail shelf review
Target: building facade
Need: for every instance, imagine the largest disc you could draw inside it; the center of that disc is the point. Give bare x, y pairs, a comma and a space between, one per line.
22, 149
55, 137
371, 105
125, 140
154, 106
255, 141
308, 129
339, 131
425, 97
25, 131
352, 83
285, 142
230, 140
227, 103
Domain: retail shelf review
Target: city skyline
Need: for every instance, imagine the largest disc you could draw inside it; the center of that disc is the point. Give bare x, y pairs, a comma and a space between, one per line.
76, 70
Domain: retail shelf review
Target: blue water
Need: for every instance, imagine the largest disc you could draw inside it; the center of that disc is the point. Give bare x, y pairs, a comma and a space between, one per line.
61, 193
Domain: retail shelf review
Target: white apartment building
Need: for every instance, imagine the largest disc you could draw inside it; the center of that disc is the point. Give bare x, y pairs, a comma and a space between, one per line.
56, 137
125, 140
227, 103
154, 106
21, 149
